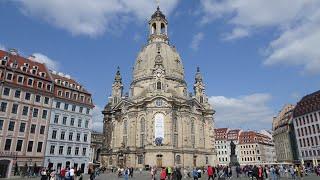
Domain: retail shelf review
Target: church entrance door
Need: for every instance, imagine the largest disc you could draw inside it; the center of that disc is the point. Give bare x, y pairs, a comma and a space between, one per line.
159, 160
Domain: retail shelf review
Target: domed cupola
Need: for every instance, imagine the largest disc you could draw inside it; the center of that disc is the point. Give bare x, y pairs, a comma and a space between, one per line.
158, 27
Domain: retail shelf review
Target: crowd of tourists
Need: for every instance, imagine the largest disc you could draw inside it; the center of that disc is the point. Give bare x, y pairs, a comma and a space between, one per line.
258, 172
61, 174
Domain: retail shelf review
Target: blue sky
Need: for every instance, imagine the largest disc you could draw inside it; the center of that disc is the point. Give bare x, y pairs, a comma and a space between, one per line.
255, 56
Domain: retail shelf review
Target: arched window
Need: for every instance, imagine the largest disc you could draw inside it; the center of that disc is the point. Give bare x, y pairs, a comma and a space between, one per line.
201, 99
125, 126
175, 125
153, 28
159, 85
110, 161
193, 138
163, 29
142, 127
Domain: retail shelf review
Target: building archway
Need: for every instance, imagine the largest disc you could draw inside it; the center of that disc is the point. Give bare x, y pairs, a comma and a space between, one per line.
4, 168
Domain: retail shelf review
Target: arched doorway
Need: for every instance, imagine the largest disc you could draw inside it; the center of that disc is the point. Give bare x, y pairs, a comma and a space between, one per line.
159, 160
98, 155
4, 167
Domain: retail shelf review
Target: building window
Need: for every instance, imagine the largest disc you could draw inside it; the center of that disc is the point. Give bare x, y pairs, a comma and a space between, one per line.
54, 134
30, 146
22, 127
27, 96
48, 87
9, 76
38, 98
69, 150
88, 111
62, 135
3, 107
86, 124
40, 84
84, 151
25, 110
33, 129
17, 94
52, 147
6, 91
70, 136
30, 82
46, 100
140, 159
78, 136
42, 129
19, 145
66, 106
60, 150
73, 108
159, 85
20, 79
35, 112
72, 122
1, 124
14, 109
58, 105
56, 119
85, 137
39, 147
79, 122
175, 140
76, 151
207, 160
44, 114
11, 126
7, 145
80, 109
64, 120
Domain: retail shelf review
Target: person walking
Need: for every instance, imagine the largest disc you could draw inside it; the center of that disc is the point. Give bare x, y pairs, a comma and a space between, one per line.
260, 173
163, 174
210, 172
126, 173
195, 174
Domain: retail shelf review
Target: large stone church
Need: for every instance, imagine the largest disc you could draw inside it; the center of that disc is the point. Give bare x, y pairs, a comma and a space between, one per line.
158, 123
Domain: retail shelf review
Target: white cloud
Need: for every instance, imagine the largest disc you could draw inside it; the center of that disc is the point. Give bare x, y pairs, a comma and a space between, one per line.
97, 119
197, 38
92, 17
236, 34
51, 64
298, 24
246, 112
2, 47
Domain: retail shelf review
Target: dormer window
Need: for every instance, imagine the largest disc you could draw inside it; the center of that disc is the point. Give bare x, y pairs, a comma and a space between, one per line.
3, 62
26, 64
66, 83
42, 74
59, 81
15, 65
82, 98
24, 68
20, 79
35, 67
34, 71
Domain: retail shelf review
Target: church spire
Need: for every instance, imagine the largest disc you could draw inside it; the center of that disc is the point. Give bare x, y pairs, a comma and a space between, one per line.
117, 88
198, 87
158, 27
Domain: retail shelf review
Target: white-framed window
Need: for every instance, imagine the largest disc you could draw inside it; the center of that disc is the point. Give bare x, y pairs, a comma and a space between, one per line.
9, 76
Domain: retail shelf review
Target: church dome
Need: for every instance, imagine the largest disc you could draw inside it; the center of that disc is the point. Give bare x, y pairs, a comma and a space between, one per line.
158, 53
155, 53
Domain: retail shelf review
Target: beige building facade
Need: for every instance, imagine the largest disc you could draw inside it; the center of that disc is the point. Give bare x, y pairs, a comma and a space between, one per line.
158, 123
283, 135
